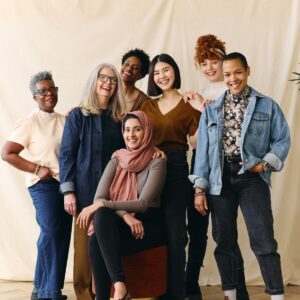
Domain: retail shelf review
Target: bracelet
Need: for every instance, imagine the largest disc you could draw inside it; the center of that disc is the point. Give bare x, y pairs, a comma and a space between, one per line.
266, 166
37, 169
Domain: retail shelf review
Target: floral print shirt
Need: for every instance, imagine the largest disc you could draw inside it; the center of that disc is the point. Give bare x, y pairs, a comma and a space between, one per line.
235, 107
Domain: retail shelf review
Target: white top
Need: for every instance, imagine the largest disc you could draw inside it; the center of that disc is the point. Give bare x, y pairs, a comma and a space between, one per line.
40, 133
213, 91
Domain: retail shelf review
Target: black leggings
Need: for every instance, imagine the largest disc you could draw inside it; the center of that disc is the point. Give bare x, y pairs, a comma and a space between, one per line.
113, 238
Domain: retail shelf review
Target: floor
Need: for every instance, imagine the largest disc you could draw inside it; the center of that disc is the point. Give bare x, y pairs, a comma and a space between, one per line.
11, 290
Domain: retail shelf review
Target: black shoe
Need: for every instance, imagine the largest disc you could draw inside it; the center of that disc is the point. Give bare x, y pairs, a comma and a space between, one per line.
194, 297
242, 294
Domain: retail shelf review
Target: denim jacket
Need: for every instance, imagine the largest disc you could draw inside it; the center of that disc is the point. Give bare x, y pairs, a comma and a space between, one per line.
265, 136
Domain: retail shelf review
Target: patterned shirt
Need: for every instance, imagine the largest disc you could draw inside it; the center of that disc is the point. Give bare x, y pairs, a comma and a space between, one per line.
235, 107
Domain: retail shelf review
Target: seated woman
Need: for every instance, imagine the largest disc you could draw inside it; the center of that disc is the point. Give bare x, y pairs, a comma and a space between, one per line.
127, 211
40, 134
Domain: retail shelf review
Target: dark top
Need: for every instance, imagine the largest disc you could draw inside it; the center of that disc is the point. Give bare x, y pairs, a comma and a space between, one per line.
87, 145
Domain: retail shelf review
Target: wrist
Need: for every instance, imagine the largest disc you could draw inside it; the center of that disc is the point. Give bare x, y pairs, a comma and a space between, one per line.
266, 167
199, 192
37, 169
198, 189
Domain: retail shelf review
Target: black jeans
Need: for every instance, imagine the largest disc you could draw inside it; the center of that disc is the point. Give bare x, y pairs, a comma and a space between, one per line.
197, 230
113, 238
253, 195
174, 203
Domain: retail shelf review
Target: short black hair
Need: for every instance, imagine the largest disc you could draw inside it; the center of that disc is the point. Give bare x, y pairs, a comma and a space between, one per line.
128, 117
153, 89
142, 56
236, 55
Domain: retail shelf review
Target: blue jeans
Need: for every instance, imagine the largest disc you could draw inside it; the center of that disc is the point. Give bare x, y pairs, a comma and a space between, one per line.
252, 194
174, 203
54, 240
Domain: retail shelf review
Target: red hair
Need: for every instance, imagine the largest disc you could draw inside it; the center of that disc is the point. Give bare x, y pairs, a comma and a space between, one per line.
209, 47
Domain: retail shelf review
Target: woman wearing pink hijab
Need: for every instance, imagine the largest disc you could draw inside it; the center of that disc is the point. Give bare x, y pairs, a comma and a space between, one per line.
127, 216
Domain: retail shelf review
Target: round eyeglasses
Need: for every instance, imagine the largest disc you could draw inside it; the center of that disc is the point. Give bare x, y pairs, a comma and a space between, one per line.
104, 78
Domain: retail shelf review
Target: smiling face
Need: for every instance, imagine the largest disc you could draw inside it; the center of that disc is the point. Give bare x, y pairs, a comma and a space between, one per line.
131, 70
48, 102
235, 75
105, 90
133, 133
212, 70
164, 76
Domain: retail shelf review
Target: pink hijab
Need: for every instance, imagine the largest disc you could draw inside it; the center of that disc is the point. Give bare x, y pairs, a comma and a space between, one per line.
131, 162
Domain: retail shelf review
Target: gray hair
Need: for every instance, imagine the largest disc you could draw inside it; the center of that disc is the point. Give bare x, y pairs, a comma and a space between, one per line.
44, 75
89, 102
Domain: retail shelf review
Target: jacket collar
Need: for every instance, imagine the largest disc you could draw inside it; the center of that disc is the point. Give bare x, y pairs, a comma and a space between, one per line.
219, 103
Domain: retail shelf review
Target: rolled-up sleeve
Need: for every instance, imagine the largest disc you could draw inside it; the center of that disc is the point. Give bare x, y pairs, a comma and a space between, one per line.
200, 175
279, 139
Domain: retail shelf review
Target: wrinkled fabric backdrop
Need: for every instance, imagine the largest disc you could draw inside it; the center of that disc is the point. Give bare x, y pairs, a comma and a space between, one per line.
71, 37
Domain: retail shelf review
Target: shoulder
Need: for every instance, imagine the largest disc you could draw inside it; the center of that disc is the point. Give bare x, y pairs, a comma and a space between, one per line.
28, 120
143, 96
263, 101
149, 103
114, 161
60, 116
158, 163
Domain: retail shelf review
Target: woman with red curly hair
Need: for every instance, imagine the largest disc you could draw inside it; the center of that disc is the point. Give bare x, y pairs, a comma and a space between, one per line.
209, 52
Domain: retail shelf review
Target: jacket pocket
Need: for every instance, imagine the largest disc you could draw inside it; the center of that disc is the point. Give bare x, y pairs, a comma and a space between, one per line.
212, 132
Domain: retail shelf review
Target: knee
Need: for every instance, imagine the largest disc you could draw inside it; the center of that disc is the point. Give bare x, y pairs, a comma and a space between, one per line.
103, 219
263, 247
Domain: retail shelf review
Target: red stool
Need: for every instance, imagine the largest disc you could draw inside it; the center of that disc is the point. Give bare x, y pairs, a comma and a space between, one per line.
145, 272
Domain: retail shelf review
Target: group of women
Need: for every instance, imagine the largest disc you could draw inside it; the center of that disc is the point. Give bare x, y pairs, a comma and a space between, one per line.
106, 163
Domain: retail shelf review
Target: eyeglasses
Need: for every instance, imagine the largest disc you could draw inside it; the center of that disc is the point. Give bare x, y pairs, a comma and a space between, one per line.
44, 92
104, 78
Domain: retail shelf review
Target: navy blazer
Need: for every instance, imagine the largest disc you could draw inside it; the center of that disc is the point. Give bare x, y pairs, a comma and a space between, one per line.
88, 143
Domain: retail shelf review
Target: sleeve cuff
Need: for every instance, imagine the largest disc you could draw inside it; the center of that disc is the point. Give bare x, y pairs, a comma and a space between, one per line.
273, 161
199, 182
67, 187
121, 213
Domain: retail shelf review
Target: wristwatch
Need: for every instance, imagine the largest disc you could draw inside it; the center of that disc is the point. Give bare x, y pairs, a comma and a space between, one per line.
266, 166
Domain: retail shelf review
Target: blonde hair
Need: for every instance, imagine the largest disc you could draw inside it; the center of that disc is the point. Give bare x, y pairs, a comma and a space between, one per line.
89, 102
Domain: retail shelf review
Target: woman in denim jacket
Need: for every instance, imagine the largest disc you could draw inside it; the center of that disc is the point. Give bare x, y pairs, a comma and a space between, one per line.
244, 137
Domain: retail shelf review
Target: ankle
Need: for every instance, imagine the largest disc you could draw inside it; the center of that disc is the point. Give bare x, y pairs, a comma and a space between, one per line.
230, 294
277, 297
120, 290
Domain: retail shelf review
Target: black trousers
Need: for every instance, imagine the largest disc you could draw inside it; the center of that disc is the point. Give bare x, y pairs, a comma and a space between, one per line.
113, 239
197, 229
174, 204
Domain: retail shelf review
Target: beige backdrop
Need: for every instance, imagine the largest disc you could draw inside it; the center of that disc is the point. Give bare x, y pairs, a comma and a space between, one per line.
71, 37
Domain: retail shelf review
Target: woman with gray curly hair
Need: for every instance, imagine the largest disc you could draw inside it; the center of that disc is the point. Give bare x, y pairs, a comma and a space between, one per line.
40, 134
91, 135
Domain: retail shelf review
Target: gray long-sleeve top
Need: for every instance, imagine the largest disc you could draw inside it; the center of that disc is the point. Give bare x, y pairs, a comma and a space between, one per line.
150, 183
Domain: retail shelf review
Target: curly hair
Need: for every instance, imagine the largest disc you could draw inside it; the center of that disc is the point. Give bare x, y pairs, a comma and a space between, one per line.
44, 75
208, 47
142, 56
